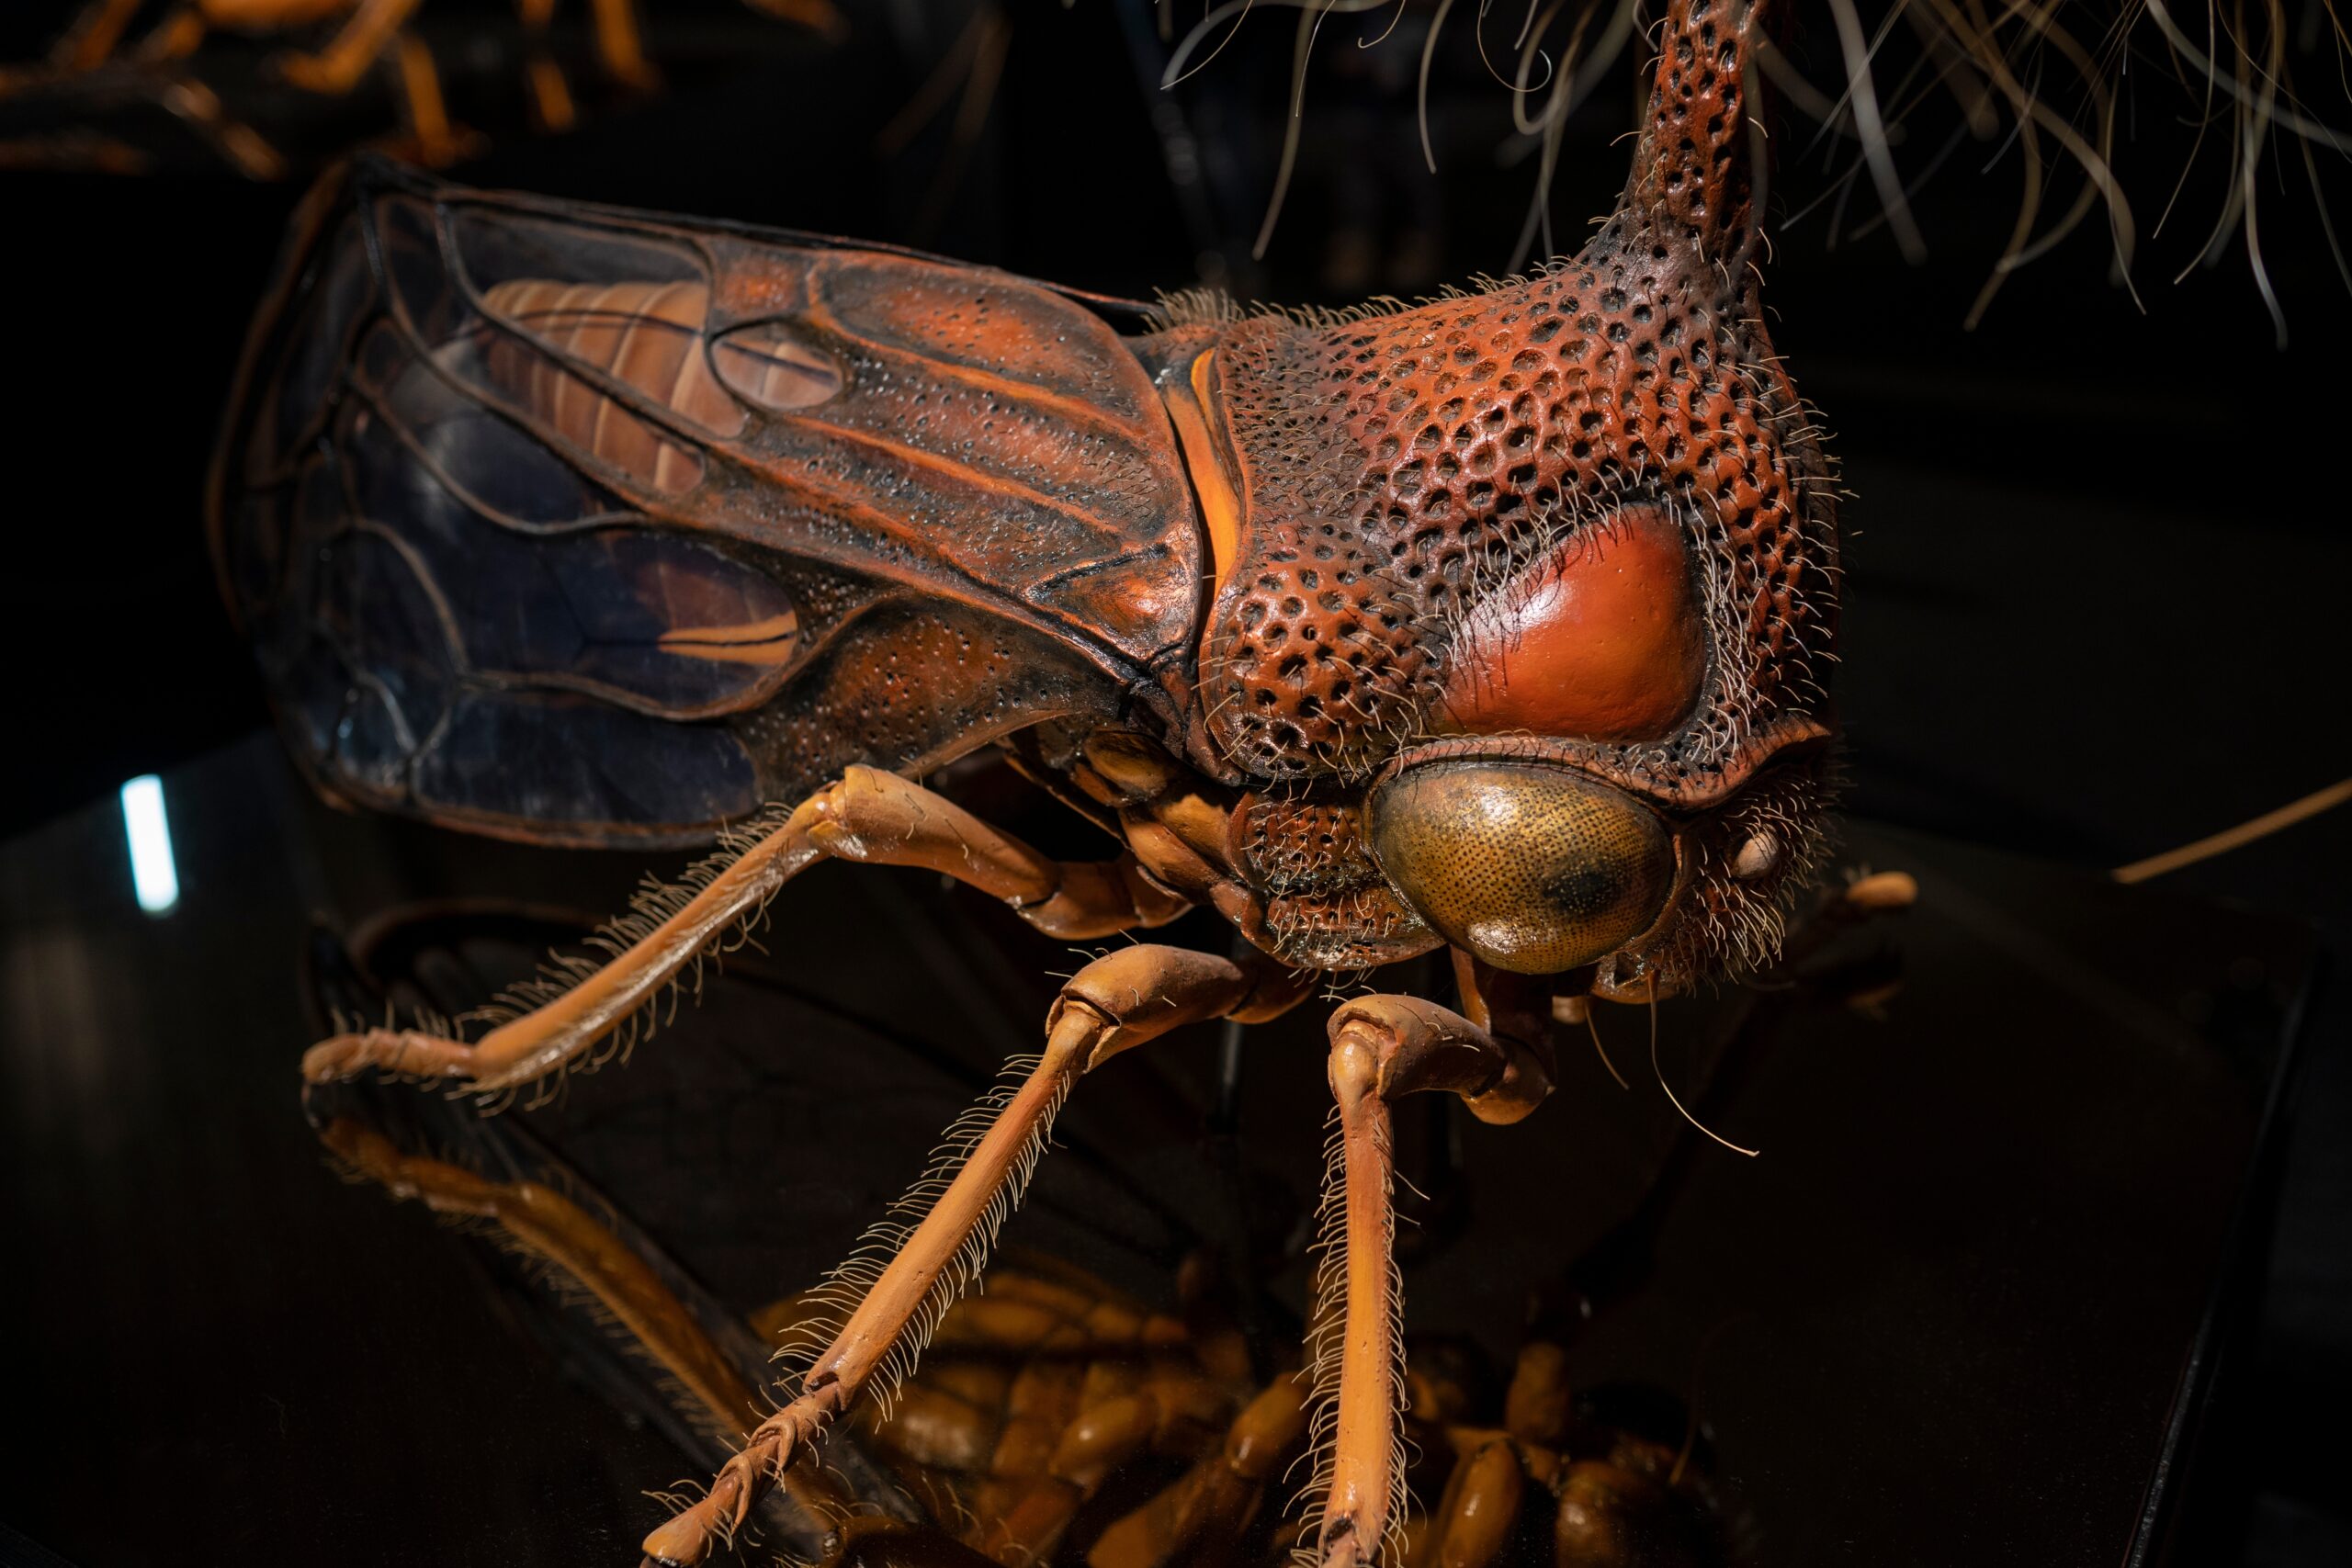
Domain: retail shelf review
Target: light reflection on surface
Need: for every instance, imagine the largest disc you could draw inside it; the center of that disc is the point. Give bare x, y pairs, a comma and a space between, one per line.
154, 875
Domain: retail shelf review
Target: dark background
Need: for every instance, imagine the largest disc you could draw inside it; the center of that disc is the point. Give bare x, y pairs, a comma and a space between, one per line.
2097, 555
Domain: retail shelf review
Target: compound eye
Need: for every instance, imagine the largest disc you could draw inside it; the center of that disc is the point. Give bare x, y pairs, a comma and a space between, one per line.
1606, 642
1534, 867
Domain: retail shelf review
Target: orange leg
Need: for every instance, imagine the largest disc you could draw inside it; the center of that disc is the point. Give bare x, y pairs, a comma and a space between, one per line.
551, 94
175, 37
869, 816
91, 41
1383, 1047
437, 144
1113, 1004
618, 43
820, 17
246, 148
984, 1414
337, 69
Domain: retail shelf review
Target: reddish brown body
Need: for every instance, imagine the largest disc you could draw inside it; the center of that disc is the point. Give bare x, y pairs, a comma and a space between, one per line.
1498, 622
856, 506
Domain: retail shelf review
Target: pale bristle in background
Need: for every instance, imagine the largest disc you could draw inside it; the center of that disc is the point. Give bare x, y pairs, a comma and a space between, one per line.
2048, 92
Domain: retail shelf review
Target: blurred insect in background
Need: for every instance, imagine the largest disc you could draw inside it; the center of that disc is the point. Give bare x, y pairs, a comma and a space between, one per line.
136, 52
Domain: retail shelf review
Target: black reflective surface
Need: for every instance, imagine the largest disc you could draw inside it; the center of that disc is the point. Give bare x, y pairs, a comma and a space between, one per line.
1960, 1309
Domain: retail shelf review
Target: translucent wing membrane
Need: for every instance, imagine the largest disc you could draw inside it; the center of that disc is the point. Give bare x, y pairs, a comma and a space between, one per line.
765, 364
573, 525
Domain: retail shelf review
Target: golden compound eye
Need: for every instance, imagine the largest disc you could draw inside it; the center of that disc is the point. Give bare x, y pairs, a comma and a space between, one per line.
1533, 867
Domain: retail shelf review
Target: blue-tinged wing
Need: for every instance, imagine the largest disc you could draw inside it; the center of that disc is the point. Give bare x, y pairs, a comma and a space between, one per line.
583, 526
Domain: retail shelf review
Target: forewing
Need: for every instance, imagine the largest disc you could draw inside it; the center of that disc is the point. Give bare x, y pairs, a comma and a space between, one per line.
578, 525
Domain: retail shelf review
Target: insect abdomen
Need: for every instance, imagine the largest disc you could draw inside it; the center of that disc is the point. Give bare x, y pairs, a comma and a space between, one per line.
647, 335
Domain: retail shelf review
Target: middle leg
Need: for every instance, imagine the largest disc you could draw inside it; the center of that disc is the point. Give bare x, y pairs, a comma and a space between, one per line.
1116, 1002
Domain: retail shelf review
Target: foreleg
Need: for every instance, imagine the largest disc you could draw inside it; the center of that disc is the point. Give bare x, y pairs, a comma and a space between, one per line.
1385, 1047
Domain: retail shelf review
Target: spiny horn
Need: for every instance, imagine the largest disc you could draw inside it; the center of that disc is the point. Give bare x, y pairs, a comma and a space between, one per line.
1696, 171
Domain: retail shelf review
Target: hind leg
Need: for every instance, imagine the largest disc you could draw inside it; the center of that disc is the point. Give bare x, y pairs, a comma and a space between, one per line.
869, 816
1113, 1003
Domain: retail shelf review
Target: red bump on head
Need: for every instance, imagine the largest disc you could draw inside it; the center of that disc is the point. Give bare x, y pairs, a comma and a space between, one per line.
1606, 643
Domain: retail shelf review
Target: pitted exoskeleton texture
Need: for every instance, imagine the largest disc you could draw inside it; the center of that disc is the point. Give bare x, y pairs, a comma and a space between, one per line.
1424, 491
1325, 894
1415, 461
1316, 664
